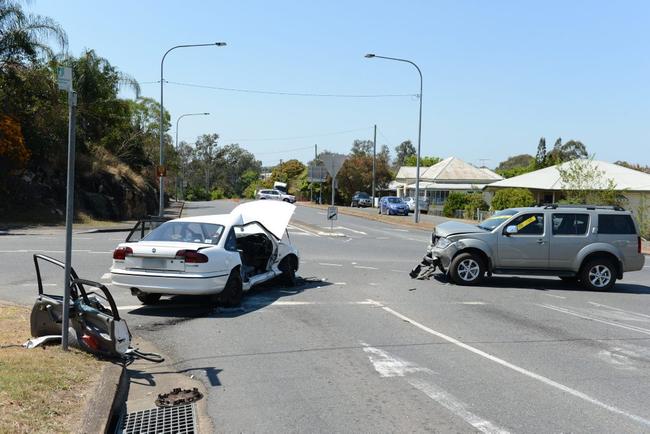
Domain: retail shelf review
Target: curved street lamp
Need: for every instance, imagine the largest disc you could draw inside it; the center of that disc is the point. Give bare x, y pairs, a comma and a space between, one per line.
417, 168
161, 174
177, 149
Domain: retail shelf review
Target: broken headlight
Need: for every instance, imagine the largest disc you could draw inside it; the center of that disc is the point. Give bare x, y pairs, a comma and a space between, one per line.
442, 243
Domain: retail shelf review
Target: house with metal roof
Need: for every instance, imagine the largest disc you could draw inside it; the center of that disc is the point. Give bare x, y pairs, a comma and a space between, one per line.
547, 185
449, 175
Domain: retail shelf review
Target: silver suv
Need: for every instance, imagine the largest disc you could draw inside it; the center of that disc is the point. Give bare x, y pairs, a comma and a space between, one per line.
594, 245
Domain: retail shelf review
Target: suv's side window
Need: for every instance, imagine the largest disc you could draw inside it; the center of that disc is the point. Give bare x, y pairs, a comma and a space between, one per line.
529, 224
615, 224
570, 224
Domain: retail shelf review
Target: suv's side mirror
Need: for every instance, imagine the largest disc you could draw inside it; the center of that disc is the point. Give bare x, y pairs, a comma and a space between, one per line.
511, 230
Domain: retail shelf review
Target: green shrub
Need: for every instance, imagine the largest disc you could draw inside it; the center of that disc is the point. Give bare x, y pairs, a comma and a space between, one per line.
197, 193
249, 192
217, 194
512, 198
454, 201
475, 201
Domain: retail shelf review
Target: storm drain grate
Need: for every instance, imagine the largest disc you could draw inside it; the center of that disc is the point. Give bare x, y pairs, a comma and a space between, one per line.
180, 419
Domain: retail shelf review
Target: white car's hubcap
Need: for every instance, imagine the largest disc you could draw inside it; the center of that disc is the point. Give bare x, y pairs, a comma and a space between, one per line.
468, 270
599, 276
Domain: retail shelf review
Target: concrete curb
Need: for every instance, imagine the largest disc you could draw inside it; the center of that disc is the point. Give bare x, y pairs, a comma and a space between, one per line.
104, 406
103, 230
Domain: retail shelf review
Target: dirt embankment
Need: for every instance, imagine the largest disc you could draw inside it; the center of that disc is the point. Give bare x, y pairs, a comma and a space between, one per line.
105, 189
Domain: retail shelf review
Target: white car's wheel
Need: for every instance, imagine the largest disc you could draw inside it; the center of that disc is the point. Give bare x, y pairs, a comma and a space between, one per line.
147, 298
232, 293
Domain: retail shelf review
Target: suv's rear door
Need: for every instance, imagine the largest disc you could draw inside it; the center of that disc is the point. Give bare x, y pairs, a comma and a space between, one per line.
618, 229
570, 233
529, 247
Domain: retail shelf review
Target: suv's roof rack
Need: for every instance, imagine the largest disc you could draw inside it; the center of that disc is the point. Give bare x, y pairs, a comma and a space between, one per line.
555, 206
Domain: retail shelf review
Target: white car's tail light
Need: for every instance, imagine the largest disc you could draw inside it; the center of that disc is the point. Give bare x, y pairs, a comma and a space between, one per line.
192, 256
122, 252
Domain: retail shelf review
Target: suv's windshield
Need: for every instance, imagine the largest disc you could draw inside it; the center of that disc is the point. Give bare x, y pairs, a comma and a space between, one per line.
188, 232
394, 200
363, 195
496, 219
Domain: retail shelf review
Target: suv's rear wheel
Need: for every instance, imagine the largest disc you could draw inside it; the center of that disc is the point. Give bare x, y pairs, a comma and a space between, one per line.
467, 269
598, 274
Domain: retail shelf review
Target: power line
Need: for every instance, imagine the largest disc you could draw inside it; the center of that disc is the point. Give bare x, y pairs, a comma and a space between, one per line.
282, 93
295, 137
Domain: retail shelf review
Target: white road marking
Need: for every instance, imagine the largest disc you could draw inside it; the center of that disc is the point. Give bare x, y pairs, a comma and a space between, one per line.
322, 213
383, 238
366, 268
106, 276
303, 230
618, 309
82, 238
553, 295
327, 264
388, 365
519, 369
455, 406
340, 283
351, 230
331, 234
398, 230
471, 302
45, 284
373, 284
101, 253
593, 318
14, 251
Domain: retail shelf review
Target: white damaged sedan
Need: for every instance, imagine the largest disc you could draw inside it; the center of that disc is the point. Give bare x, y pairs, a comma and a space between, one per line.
217, 255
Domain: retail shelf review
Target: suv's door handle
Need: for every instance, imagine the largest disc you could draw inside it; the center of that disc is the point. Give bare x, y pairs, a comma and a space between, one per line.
540, 241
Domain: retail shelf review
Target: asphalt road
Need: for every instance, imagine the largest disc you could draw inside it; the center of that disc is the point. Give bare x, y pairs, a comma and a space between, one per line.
360, 347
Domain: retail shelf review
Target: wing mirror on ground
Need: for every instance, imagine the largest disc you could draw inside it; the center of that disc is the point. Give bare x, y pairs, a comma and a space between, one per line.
511, 230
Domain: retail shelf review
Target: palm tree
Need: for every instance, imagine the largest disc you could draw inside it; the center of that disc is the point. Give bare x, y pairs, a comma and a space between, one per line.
23, 36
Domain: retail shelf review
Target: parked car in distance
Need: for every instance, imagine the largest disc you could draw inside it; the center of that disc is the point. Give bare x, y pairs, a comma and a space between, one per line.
593, 245
424, 204
361, 199
275, 194
221, 256
393, 205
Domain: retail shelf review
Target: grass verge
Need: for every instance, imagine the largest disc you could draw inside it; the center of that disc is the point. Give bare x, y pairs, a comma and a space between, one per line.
44, 389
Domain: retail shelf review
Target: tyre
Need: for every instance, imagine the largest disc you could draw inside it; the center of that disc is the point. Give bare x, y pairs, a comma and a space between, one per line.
288, 268
286, 200
598, 274
467, 269
232, 293
147, 298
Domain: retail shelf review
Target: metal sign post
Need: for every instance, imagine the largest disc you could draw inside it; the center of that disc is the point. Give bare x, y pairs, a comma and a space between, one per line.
64, 79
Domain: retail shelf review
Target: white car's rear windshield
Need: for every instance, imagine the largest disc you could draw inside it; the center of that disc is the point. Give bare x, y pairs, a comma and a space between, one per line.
187, 232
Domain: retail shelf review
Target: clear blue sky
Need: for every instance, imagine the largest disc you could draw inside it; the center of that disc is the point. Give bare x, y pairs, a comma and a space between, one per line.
497, 74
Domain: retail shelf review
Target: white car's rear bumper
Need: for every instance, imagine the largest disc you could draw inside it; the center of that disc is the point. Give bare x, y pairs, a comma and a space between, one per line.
172, 284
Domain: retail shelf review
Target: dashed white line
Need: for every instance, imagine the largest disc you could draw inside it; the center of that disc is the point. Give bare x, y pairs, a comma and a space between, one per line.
553, 295
106, 276
327, 264
593, 318
455, 406
519, 369
366, 268
618, 309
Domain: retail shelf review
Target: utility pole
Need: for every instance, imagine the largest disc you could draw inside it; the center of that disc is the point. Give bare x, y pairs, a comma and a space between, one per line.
374, 157
320, 189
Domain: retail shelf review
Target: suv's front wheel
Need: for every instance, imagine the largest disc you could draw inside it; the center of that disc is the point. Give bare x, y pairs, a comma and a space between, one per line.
598, 274
467, 269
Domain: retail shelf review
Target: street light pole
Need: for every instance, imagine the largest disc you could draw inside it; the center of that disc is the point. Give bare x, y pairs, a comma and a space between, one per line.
161, 171
417, 168
177, 148
374, 157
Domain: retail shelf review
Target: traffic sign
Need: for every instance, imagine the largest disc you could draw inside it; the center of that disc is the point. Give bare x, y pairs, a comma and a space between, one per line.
316, 173
64, 78
333, 163
332, 213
